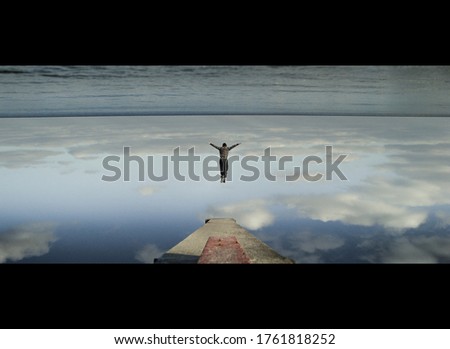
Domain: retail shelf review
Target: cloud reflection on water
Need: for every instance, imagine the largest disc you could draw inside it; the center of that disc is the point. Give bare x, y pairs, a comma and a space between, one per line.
393, 208
26, 240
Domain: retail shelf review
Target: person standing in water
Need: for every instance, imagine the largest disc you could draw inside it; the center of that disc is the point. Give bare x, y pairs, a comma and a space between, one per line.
223, 150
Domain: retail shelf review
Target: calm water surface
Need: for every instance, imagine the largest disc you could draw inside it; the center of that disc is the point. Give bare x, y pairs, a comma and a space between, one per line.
58, 124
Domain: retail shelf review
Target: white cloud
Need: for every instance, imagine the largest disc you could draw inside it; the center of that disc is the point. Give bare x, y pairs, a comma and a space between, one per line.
148, 253
413, 150
402, 250
251, 214
306, 246
313, 242
399, 192
28, 240
359, 208
147, 190
83, 154
438, 246
25, 157
417, 248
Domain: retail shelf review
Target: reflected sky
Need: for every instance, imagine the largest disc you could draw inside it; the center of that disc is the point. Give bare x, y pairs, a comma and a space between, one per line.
394, 206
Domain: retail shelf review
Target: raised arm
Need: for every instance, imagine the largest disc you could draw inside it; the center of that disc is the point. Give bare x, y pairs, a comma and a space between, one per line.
215, 146
234, 145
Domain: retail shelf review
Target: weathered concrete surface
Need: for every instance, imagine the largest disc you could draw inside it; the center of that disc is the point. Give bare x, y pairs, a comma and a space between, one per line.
190, 249
224, 250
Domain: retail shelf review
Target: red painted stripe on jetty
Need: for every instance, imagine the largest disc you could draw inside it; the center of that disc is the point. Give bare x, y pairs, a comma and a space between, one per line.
225, 249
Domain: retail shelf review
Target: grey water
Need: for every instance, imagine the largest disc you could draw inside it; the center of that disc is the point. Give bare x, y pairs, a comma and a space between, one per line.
208, 90
59, 123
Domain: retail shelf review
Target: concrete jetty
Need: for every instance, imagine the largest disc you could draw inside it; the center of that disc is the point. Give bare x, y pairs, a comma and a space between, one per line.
221, 241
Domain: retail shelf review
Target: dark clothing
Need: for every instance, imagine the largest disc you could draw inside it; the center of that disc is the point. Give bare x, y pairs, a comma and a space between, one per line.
224, 150
223, 167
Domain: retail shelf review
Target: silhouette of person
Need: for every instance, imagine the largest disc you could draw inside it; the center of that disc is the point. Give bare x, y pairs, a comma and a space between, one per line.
223, 150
